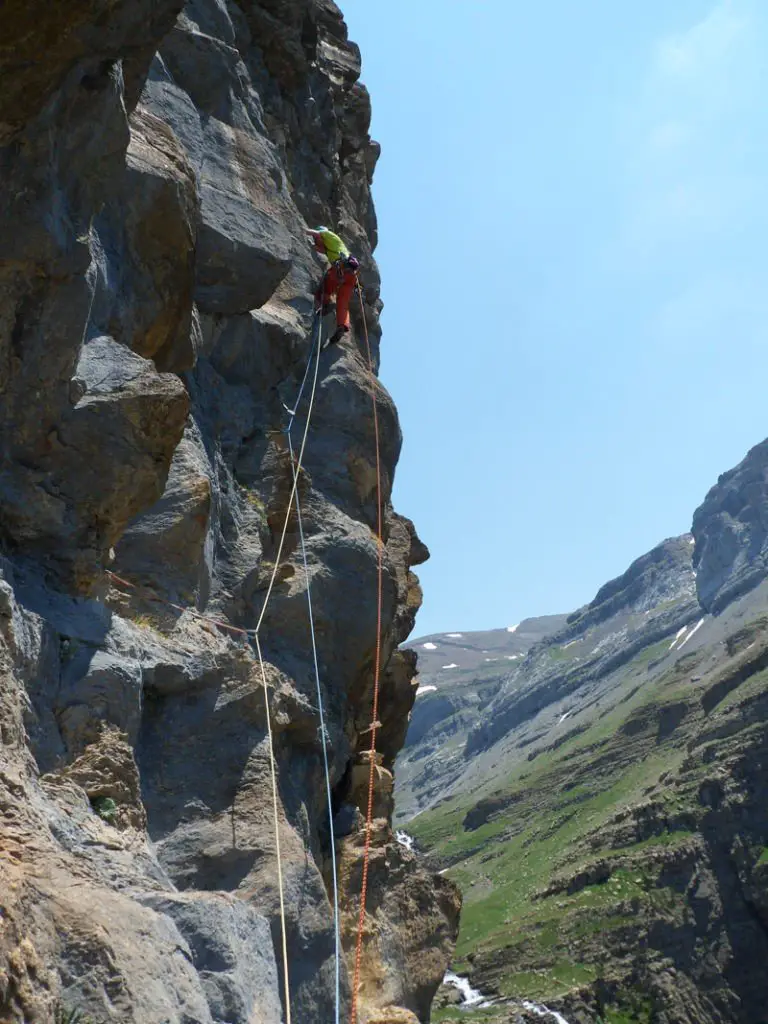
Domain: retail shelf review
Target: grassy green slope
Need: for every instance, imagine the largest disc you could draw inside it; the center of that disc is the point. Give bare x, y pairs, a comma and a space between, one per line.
577, 869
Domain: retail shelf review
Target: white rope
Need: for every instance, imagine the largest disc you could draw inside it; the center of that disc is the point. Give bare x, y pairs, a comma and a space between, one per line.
324, 735
277, 836
254, 634
296, 472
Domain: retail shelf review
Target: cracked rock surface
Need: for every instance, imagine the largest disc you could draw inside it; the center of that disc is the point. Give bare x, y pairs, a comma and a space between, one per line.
159, 165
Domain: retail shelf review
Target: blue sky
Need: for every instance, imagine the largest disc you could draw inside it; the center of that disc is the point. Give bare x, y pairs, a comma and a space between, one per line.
573, 208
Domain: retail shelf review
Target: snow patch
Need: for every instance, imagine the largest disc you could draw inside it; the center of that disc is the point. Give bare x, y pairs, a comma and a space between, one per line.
425, 689
563, 717
512, 657
572, 642
695, 629
455, 636
679, 633
452, 665
512, 629
691, 540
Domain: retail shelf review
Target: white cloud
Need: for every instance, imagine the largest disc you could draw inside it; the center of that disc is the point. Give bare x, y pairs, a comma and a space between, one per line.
690, 137
693, 55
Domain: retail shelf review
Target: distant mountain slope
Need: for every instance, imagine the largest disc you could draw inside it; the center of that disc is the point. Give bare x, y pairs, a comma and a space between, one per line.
445, 651
459, 674
471, 723
607, 812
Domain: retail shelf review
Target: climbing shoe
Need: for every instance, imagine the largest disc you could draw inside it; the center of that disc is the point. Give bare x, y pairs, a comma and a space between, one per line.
336, 336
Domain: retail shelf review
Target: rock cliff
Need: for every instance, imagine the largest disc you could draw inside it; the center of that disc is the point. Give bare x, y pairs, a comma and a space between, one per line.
159, 164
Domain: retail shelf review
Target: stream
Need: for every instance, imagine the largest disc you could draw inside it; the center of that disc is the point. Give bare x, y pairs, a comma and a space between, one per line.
470, 996
473, 999
543, 1011
405, 840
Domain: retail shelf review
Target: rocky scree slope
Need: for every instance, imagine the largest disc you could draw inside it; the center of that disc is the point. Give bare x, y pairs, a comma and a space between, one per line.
609, 826
159, 165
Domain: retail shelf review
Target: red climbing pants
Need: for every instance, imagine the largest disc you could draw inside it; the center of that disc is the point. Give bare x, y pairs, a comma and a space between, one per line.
341, 283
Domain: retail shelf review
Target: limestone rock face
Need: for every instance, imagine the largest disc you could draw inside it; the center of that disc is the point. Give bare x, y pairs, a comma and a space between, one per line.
410, 925
731, 532
159, 166
653, 598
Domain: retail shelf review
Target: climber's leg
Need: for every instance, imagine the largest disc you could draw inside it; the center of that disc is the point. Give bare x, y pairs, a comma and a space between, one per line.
327, 290
346, 288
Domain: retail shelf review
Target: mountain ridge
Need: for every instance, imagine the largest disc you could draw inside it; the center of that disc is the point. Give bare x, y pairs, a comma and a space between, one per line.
605, 813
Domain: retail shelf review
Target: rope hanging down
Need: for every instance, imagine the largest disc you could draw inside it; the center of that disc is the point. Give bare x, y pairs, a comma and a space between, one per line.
198, 616
325, 742
253, 636
296, 468
278, 853
376, 674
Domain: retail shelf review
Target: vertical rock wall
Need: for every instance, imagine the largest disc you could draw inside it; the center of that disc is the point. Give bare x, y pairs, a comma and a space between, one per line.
159, 166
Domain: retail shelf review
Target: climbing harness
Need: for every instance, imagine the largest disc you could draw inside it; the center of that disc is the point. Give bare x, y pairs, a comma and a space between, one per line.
344, 265
376, 673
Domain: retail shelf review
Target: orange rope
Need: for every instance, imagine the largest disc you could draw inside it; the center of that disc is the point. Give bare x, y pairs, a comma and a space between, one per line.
376, 673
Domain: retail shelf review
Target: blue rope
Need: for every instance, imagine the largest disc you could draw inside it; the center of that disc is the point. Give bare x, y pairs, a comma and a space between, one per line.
316, 343
317, 328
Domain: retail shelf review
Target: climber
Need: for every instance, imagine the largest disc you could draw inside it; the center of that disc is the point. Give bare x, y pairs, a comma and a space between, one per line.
339, 280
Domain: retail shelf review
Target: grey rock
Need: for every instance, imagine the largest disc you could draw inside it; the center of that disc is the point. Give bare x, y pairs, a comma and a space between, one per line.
97, 686
731, 532
171, 538
155, 304
155, 225
231, 950
243, 253
653, 599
